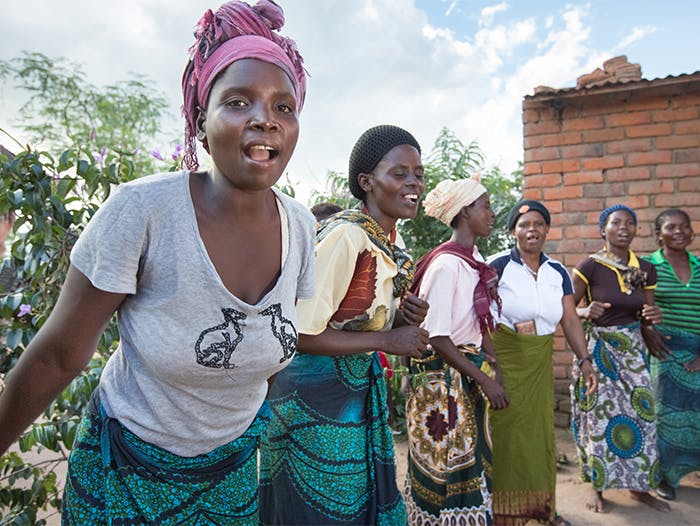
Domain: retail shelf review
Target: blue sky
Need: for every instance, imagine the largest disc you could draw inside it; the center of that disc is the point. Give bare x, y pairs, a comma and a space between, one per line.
420, 64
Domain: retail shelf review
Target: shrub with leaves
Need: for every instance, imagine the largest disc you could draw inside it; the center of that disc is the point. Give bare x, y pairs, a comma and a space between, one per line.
91, 140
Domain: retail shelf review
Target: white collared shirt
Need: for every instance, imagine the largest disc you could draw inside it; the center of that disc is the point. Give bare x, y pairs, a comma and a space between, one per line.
525, 298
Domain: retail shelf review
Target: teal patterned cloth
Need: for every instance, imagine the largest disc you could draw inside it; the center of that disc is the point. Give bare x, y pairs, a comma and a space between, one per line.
114, 477
328, 457
677, 397
615, 428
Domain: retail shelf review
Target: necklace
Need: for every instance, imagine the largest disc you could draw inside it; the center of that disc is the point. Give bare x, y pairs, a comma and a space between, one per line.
533, 273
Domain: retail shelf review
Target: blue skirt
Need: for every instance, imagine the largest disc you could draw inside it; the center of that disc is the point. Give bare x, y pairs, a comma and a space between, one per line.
114, 477
677, 398
328, 457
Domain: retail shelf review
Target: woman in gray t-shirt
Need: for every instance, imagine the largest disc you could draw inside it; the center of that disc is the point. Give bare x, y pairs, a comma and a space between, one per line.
204, 268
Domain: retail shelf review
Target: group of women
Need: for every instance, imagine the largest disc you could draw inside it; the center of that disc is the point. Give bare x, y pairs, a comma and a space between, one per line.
246, 335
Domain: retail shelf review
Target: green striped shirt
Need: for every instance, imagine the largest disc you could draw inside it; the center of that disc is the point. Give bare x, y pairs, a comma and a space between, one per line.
679, 302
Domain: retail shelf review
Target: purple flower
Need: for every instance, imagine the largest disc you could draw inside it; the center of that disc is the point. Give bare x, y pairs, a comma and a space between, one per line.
101, 157
135, 151
92, 134
177, 151
157, 155
24, 309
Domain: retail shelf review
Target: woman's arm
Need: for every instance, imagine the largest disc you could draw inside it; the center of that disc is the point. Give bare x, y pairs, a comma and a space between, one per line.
573, 331
594, 309
651, 315
56, 355
403, 341
447, 350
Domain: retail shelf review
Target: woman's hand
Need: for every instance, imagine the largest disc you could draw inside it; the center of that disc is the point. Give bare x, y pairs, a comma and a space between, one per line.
655, 343
591, 377
413, 309
409, 340
495, 368
595, 310
651, 314
495, 393
692, 367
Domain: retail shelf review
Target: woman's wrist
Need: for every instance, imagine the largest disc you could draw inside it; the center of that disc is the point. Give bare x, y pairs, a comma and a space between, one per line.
584, 359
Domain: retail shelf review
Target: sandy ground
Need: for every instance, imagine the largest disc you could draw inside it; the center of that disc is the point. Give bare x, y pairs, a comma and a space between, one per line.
622, 509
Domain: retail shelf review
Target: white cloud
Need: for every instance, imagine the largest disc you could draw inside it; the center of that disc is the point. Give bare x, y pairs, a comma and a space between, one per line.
371, 62
489, 12
637, 34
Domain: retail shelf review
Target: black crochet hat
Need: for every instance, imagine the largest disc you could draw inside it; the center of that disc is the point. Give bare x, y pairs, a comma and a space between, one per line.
369, 150
525, 206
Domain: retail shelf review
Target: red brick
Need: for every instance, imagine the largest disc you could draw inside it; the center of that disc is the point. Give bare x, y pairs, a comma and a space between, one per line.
603, 163
554, 207
582, 150
572, 245
541, 154
628, 119
662, 186
555, 233
677, 141
540, 128
584, 123
595, 176
677, 200
562, 358
630, 145
649, 130
559, 139
689, 184
563, 192
544, 180
686, 156
687, 127
676, 114
560, 166
583, 231
535, 141
628, 174
570, 260
636, 201
603, 190
653, 103
604, 135
531, 168
560, 371
532, 193
658, 157
678, 170
583, 205
530, 116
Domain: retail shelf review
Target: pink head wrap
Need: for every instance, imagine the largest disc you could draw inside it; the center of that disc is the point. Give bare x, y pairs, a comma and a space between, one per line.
236, 31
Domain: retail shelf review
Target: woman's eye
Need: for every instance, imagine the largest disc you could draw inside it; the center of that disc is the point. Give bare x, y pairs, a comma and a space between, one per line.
285, 108
236, 103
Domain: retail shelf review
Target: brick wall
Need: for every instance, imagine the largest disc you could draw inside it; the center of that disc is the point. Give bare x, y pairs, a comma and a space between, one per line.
636, 143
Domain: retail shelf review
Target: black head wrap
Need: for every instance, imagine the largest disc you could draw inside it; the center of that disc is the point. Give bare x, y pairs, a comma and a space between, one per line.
525, 206
371, 148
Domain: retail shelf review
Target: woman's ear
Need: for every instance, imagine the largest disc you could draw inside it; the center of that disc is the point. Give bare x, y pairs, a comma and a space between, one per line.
201, 124
365, 182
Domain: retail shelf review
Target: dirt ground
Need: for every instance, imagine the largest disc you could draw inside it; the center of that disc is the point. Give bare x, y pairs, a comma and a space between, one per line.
622, 510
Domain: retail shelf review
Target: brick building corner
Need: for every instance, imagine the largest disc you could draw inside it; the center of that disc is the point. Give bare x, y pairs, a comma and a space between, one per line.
614, 138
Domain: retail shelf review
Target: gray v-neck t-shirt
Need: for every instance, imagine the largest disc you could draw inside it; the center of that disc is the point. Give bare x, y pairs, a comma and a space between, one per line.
191, 369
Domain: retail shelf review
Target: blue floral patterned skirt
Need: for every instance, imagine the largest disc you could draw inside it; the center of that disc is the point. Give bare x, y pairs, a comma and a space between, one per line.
615, 428
328, 457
